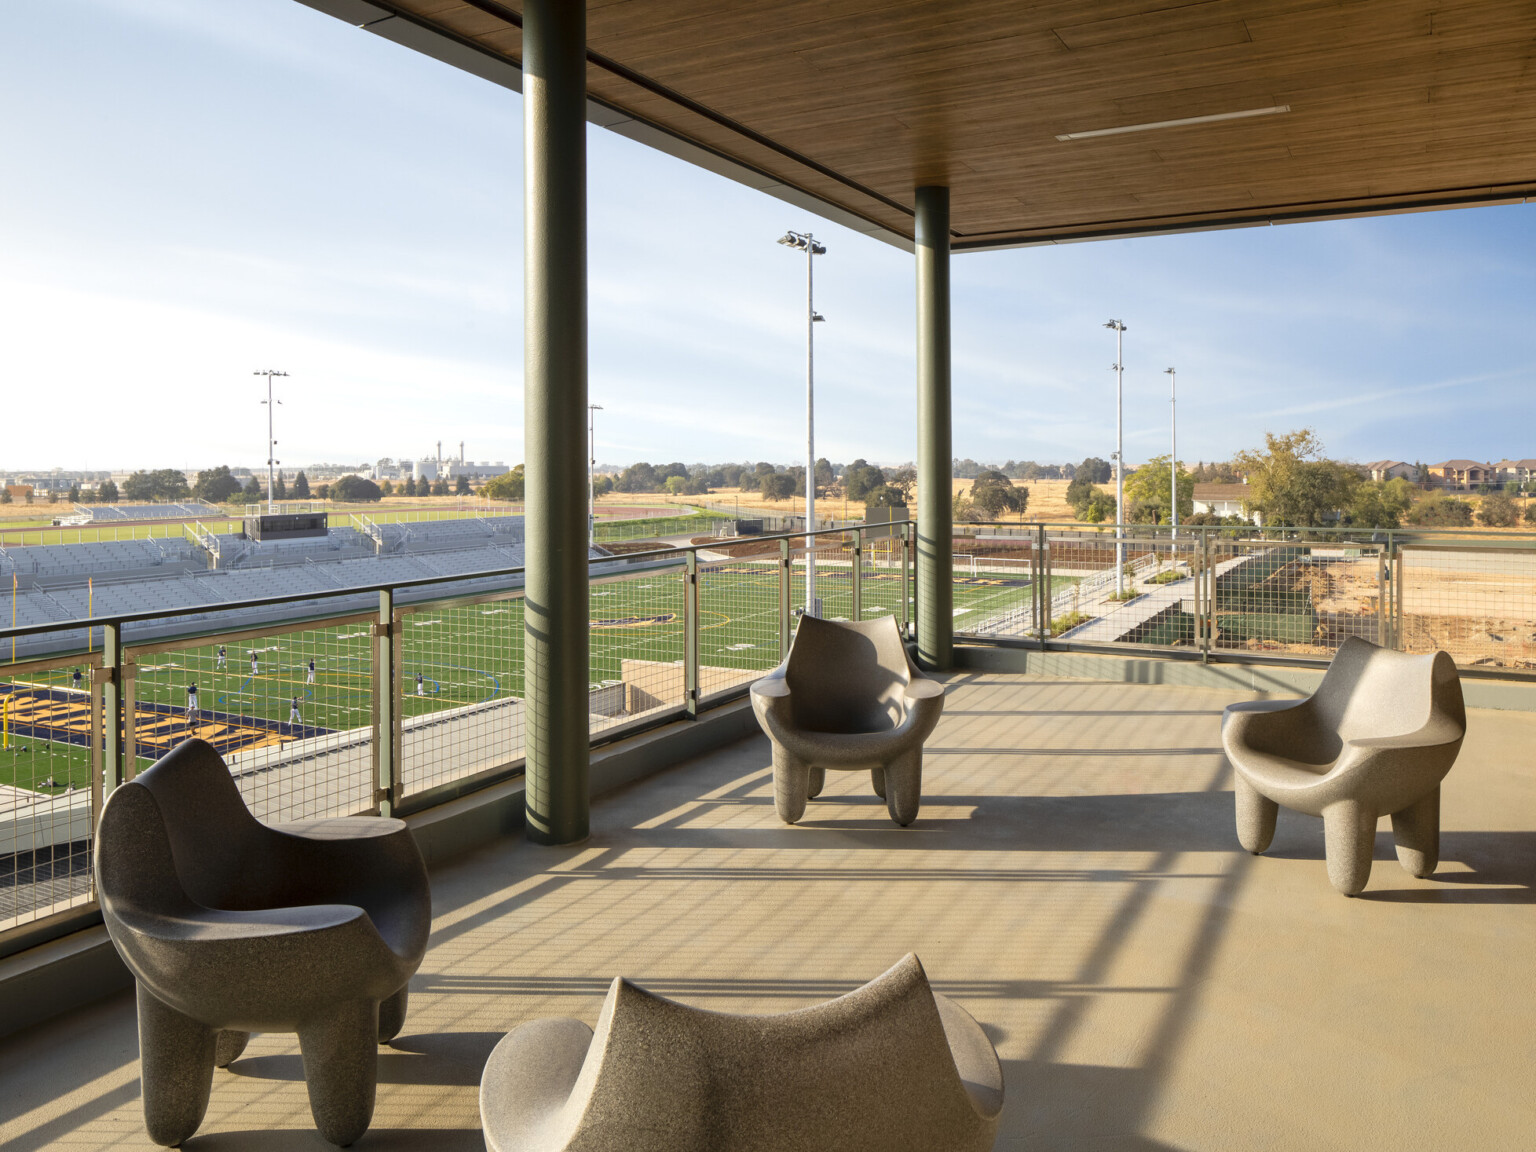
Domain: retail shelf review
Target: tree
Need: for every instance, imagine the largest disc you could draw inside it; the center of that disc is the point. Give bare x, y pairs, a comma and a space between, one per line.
777, 486
461, 485
507, 486
74, 493
963, 509
216, 485
1530, 513
995, 495
323, 492
675, 485
1438, 510
904, 480
301, 486
1094, 470
753, 481
1148, 493
639, 477
6, 497
280, 487
1292, 483
1098, 508
1498, 511
886, 496
252, 488
1379, 505
966, 469
823, 474
440, 486
676, 468
602, 485
387, 488
1079, 492
161, 484
355, 490
107, 493
861, 478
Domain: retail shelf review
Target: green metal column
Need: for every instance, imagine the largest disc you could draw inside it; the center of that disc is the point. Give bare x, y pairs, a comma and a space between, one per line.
935, 514
555, 409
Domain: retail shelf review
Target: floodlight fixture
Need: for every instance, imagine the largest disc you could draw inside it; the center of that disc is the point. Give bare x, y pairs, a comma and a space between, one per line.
805, 242
272, 461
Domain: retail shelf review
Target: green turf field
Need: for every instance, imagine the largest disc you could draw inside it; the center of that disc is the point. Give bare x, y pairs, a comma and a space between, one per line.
472, 653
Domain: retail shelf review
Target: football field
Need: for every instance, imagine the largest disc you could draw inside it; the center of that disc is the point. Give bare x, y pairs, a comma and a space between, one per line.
300, 683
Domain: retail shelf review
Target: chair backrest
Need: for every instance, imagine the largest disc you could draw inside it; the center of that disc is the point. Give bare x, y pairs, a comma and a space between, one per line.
1374, 691
868, 1071
848, 677
215, 841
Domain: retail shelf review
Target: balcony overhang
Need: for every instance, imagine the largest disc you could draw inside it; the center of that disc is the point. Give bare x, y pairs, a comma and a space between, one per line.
1219, 115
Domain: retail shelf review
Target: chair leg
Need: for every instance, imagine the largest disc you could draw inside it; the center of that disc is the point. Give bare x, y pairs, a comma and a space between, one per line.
1349, 835
877, 778
904, 787
392, 1015
341, 1069
175, 1070
791, 778
816, 780
1256, 815
230, 1045
1417, 832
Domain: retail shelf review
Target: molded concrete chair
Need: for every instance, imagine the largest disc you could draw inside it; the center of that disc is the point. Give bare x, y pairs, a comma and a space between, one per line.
848, 697
890, 1067
230, 926
1374, 740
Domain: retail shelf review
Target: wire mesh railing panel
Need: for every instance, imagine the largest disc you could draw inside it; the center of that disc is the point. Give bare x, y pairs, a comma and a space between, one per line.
290, 710
1298, 599
738, 620
50, 734
637, 631
995, 586
1478, 604
460, 675
833, 566
1103, 590
880, 580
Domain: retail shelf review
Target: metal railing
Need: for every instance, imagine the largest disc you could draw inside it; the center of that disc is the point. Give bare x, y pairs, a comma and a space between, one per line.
1242, 593
395, 696
383, 699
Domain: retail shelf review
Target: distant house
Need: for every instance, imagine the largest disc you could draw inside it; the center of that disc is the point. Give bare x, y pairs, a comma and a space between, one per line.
1515, 471
1223, 500
1381, 470
1462, 474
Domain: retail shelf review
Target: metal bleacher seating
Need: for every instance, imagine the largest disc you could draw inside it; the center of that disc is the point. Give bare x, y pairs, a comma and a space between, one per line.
171, 575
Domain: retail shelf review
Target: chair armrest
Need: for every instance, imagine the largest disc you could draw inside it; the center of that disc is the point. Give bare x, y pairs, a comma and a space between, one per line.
924, 689
771, 688
1437, 732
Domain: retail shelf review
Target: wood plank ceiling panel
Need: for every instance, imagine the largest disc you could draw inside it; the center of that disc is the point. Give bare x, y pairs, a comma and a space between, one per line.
1394, 104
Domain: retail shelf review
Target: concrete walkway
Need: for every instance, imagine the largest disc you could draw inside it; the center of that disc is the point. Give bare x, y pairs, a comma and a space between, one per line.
1073, 880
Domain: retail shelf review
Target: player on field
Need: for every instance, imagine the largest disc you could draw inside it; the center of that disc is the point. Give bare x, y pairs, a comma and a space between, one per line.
253, 662
421, 687
76, 681
293, 712
192, 711
311, 678
220, 664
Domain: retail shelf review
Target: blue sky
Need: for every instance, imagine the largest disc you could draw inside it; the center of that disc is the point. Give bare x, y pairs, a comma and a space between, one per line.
194, 191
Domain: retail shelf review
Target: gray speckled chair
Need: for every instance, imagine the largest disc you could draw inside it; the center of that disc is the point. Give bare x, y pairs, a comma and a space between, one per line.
848, 697
230, 927
891, 1067
1374, 740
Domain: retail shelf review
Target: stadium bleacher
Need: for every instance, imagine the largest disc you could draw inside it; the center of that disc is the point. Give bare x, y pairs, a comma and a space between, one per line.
107, 513
172, 576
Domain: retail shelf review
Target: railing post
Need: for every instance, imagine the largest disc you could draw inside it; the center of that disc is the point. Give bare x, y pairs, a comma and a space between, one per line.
386, 708
127, 672
1040, 601
784, 582
691, 636
857, 575
1207, 613
1382, 636
109, 760
906, 584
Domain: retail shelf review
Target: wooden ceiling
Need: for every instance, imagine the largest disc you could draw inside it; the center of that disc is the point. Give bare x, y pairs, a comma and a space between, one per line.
1394, 104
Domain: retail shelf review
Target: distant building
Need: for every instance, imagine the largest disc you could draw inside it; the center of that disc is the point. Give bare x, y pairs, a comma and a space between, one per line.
1380, 470
1515, 471
1224, 500
1462, 474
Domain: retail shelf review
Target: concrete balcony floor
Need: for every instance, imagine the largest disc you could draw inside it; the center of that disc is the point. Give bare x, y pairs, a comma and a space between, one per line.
1073, 880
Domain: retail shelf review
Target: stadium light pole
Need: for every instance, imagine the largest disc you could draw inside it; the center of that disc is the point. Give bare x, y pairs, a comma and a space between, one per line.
1119, 369
805, 242
271, 443
1173, 436
592, 410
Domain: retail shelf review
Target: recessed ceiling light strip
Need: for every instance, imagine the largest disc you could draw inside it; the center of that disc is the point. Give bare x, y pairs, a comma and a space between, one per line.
1243, 115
